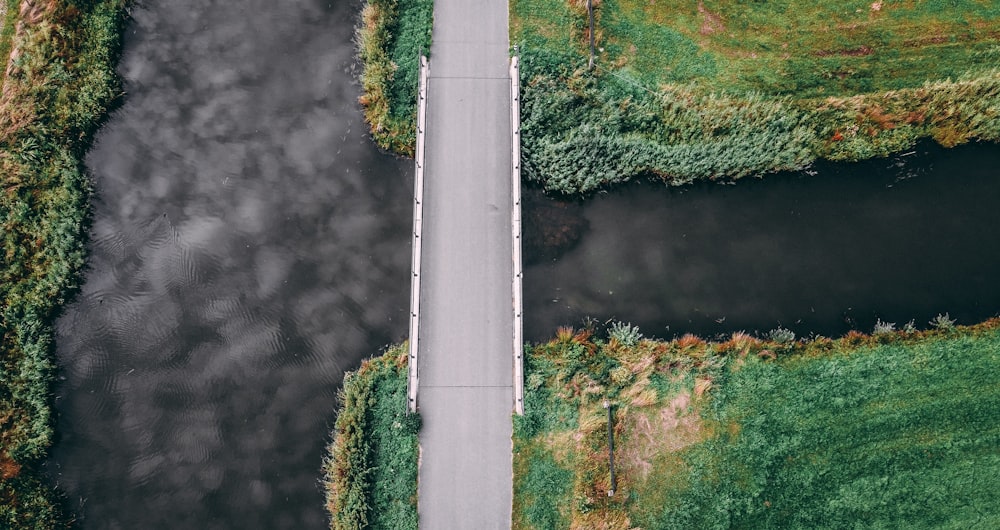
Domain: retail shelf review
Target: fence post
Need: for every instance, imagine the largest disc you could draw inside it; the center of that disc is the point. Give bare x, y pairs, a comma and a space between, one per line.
611, 446
590, 16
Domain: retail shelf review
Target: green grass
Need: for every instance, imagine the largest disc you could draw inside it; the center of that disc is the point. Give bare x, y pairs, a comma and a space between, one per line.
390, 38
55, 96
898, 430
801, 48
371, 470
7, 31
724, 89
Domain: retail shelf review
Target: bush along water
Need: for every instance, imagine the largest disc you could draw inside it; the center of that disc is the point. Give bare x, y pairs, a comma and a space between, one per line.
58, 82
371, 466
390, 38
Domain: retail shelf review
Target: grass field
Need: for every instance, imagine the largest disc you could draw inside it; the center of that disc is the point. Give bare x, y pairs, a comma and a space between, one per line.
55, 93
371, 468
727, 88
896, 430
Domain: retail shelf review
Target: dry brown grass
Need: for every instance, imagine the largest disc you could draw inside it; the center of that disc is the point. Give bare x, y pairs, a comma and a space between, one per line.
656, 431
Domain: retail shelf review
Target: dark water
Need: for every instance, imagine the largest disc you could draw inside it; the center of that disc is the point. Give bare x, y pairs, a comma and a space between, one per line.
249, 244
893, 239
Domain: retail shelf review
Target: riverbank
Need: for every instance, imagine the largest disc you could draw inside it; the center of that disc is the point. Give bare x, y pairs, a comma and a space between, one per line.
371, 466
390, 39
721, 89
897, 428
58, 83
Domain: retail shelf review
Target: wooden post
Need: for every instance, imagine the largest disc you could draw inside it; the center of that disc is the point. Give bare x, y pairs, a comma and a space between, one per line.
611, 447
590, 15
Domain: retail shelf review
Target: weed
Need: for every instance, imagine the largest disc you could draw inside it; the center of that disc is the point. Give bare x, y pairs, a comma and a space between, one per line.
944, 322
781, 335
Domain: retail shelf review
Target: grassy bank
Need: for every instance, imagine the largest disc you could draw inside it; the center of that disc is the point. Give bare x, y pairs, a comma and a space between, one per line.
722, 89
371, 468
58, 82
893, 430
390, 39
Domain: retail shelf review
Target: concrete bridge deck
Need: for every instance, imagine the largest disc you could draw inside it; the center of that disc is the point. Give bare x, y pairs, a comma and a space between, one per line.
465, 363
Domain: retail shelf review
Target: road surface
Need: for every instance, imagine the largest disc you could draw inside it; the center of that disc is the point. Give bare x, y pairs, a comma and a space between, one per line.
465, 362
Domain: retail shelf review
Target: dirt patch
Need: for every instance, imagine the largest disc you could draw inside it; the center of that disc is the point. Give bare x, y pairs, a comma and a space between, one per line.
664, 430
8, 468
710, 22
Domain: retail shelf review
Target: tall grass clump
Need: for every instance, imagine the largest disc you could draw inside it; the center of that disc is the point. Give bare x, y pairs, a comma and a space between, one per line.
894, 430
723, 89
58, 82
391, 36
371, 467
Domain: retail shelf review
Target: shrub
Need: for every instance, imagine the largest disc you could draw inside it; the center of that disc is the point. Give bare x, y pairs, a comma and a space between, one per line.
625, 333
781, 335
883, 328
944, 322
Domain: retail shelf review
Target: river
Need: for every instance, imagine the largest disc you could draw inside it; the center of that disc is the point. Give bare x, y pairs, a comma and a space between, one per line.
826, 250
249, 244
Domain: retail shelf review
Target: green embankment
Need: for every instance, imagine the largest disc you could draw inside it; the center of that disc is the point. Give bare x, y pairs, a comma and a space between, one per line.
371, 467
390, 38
727, 88
894, 430
58, 84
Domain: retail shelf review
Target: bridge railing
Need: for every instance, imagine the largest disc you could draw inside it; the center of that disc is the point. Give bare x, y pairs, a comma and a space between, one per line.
515, 177
418, 215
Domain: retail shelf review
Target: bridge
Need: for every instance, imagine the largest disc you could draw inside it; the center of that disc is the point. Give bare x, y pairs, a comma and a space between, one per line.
465, 330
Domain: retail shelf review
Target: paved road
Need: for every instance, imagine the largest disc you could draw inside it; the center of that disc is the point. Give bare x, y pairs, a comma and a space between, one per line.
465, 361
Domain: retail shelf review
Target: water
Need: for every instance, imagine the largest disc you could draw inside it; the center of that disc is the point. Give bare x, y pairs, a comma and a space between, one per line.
249, 244
822, 252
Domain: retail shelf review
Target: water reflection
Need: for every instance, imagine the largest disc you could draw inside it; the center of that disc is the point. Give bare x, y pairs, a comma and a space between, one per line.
824, 251
248, 245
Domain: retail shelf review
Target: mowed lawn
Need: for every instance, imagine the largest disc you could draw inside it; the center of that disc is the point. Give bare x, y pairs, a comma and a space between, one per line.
900, 432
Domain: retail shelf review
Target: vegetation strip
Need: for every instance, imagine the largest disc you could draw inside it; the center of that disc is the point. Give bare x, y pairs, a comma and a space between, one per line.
722, 89
58, 82
894, 429
391, 38
371, 467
